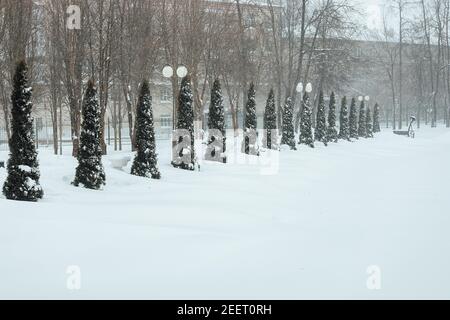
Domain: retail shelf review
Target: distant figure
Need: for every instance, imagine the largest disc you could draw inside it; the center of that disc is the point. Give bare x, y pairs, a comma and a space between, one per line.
410, 132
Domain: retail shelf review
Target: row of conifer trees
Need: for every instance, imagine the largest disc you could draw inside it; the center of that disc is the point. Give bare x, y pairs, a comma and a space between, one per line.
22, 182
351, 126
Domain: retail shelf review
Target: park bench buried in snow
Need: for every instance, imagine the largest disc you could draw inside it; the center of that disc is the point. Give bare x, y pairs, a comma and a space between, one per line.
410, 132
2, 164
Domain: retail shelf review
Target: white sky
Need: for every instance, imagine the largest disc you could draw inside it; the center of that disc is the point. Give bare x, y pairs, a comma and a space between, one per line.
374, 12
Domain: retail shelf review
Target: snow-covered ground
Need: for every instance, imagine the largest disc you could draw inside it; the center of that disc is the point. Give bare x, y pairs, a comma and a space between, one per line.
309, 231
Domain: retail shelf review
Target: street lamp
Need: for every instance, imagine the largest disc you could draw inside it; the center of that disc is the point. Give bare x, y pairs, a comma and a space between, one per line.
308, 88
182, 71
167, 72
299, 89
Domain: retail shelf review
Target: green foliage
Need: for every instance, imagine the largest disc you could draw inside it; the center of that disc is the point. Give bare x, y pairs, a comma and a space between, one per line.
320, 134
332, 134
145, 163
22, 182
270, 121
90, 173
353, 120
306, 135
288, 135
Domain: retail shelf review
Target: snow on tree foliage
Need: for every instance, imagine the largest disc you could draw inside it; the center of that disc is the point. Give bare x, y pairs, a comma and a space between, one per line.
376, 118
362, 132
145, 163
306, 135
288, 135
89, 173
344, 130
22, 182
184, 154
250, 124
216, 124
270, 122
353, 120
332, 134
320, 134
369, 132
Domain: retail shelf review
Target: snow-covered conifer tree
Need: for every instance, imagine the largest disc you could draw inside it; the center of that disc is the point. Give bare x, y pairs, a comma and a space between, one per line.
250, 123
306, 135
353, 120
376, 118
145, 162
369, 132
22, 182
344, 130
216, 123
362, 132
332, 134
320, 134
288, 135
90, 173
270, 121
184, 157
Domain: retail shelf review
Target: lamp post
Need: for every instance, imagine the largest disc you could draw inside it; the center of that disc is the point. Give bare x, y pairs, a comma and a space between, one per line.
367, 99
168, 73
309, 88
364, 98
300, 89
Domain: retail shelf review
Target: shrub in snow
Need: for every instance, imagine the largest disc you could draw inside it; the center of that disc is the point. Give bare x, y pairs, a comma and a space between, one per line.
332, 134
353, 120
369, 133
250, 141
320, 134
376, 118
145, 162
288, 135
184, 152
216, 124
22, 182
344, 130
270, 122
362, 132
89, 173
306, 135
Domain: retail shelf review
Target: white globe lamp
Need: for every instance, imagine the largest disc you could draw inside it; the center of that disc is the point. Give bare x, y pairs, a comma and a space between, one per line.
182, 71
308, 88
167, 71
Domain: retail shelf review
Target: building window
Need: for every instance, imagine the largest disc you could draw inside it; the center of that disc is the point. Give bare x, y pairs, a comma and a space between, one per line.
166, 94
166, 121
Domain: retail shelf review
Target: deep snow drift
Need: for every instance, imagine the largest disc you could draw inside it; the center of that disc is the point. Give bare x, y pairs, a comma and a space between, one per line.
228, 231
